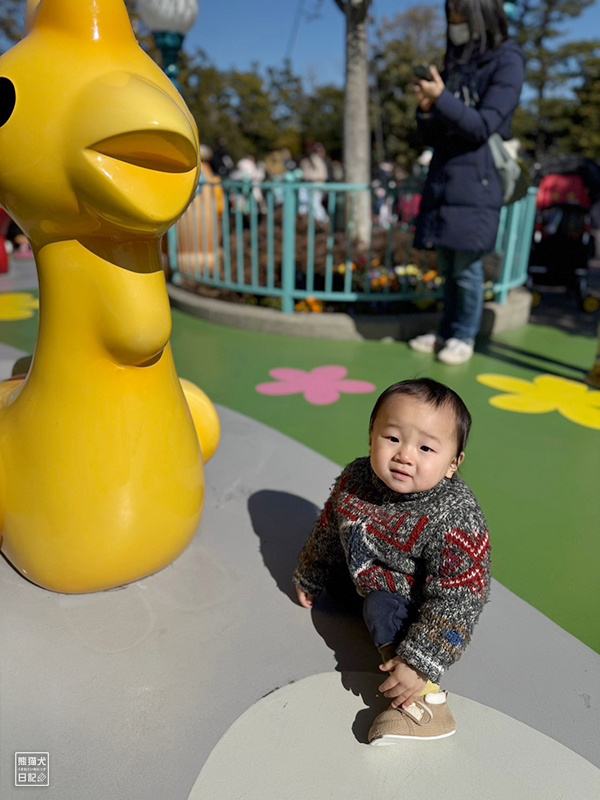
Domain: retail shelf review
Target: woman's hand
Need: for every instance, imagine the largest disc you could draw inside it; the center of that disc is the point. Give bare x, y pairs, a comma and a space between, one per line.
404, 684
304, 598
428, 92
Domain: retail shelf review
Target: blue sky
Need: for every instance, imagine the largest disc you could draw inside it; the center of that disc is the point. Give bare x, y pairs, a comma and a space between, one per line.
234, 33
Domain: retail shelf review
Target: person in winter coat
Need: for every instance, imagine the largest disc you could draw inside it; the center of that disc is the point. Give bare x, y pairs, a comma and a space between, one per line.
474, 97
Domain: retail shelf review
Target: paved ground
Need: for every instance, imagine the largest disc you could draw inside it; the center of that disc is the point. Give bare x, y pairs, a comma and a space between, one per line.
534, 474
561, 310
132, 690
452, 768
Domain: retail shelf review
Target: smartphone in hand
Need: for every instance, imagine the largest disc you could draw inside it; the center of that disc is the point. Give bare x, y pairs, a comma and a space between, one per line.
422, 72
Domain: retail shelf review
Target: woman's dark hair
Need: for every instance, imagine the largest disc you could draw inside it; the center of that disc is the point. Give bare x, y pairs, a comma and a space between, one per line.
487, 23
435, 394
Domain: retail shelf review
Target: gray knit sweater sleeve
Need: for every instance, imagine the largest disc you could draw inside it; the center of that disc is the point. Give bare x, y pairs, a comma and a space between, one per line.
323, 548
457, 562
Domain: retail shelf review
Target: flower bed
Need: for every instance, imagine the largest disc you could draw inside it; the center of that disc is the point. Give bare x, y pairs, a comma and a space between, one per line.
390, 265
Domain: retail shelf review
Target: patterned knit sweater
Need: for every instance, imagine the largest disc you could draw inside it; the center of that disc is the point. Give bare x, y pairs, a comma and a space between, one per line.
430, 547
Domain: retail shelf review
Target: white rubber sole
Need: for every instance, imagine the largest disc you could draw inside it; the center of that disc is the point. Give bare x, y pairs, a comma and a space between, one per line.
422, 348
390, 739
454, 362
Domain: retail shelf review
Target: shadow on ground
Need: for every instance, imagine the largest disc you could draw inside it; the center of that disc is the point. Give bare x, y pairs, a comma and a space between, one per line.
282, 522
527, 359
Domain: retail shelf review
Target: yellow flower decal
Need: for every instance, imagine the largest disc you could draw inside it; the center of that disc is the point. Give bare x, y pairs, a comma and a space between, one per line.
17, 305
546, 393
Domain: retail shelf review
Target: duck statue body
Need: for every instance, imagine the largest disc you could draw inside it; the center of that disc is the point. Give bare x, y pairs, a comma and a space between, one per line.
101, 445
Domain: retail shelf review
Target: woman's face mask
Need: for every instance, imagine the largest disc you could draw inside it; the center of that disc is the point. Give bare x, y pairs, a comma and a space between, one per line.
459, 34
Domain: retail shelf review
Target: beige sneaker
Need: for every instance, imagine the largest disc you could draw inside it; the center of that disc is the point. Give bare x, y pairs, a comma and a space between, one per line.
426, 718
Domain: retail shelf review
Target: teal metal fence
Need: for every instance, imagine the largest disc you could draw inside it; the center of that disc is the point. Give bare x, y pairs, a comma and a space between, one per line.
293, 241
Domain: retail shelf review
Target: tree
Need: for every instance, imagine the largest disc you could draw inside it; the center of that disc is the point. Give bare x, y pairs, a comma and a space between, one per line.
286, 93
584, 133
207, 92
550, 70
414, 37
525, 127
12, 19
323, 119
233, 105
258, 113
357, 133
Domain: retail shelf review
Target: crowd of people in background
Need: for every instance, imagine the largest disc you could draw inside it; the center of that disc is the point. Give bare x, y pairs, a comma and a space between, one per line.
453, 194
315, 166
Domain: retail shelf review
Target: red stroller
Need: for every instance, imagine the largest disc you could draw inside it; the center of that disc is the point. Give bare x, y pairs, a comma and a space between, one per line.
563, 243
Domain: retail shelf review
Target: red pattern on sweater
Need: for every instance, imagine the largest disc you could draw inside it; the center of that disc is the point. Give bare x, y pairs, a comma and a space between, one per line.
429, 549
476, 547
380, 523
368, 578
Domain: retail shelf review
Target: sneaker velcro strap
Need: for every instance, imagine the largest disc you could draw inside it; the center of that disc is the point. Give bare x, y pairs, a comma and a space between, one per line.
418, 712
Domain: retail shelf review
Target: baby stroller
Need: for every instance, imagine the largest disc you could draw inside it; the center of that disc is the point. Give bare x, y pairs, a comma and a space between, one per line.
563, 243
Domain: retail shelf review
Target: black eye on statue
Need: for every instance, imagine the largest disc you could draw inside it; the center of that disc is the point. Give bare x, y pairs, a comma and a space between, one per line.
8, 99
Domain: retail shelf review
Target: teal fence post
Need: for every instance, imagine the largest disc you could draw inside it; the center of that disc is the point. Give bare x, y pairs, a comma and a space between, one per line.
528, 228
173, 262
513, 219
288, 267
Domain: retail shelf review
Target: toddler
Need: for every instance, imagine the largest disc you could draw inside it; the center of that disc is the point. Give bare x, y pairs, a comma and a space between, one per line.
415, 543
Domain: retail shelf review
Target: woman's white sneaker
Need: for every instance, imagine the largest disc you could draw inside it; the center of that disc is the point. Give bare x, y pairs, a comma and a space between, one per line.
426, 343
455, 351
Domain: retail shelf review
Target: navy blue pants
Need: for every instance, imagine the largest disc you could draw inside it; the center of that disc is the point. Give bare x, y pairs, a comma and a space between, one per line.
385, 616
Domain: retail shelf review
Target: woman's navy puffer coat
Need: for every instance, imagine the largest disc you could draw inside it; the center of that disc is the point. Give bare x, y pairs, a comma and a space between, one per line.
462, 197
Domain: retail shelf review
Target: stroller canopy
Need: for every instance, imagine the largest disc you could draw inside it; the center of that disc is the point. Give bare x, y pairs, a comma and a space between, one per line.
568, 179
558, 190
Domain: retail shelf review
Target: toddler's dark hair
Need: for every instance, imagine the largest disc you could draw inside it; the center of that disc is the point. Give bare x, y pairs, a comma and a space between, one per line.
435, 394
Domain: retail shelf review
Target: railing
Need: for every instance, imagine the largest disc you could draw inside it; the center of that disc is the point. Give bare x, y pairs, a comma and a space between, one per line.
292, 241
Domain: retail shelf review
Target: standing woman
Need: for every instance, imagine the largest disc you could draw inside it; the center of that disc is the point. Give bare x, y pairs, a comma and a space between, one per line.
474, 97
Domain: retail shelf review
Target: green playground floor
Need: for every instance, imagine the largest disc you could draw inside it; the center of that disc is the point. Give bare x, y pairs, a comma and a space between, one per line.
535, 474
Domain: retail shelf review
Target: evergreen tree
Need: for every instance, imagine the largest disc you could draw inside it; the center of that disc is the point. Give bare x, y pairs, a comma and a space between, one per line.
584, 134
323, 119
414, 37
288, 101
551, 66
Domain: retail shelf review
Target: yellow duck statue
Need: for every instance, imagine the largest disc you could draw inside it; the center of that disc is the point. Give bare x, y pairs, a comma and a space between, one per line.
101, 445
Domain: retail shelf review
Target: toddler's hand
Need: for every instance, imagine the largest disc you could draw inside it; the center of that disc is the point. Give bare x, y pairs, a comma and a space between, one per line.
305, 599
404, 684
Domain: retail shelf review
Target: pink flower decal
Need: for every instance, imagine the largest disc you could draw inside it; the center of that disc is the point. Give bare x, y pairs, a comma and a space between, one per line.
321, 386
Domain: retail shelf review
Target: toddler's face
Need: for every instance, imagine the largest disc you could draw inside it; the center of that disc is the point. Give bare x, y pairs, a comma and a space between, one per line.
413, 444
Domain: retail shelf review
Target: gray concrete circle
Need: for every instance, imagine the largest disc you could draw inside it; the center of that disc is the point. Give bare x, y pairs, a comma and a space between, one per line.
298, 743
130, 690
